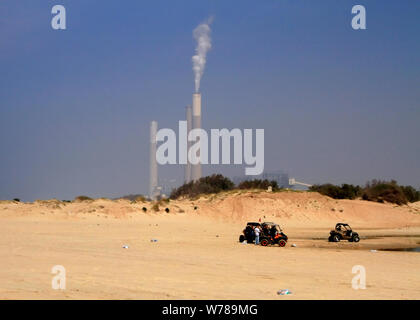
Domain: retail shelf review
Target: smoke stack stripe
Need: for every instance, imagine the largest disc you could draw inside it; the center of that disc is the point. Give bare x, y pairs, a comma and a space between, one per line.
153, 170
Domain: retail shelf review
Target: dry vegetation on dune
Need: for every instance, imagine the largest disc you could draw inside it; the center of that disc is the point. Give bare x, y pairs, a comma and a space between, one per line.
375, 190
292, 208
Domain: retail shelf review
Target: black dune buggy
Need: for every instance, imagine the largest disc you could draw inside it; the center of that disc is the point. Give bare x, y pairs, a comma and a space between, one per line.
270, 234
248, 232
343, 231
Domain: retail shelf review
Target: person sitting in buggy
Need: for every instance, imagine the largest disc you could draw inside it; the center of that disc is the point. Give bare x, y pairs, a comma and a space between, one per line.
273, 231
266, 230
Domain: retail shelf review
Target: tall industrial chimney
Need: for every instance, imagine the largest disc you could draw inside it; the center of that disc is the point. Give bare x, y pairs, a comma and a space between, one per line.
153, 179
188, 111
196, 115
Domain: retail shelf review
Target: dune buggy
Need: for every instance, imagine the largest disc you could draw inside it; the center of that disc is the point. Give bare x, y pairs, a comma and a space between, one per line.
270, 234
343, 231
248, 232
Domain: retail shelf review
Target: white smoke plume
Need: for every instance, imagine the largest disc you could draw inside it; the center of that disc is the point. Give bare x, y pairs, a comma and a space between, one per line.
202, 36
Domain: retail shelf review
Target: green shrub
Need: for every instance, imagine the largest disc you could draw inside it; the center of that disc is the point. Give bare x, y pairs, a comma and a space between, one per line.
410, 193
375, 190
206, 185
381, 191
258, 184
346, 191
140, 198
83, 198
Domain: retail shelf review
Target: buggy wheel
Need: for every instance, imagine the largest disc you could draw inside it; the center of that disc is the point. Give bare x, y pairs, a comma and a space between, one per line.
356, 238
282, 243
241, 238
264, 242
336, 238
330, 239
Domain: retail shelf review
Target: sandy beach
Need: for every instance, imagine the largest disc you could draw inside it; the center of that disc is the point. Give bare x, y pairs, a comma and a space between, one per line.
197, 254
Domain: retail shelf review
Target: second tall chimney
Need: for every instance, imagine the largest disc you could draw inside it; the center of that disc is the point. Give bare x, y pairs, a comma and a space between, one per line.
153, 168
188, 169
196, 116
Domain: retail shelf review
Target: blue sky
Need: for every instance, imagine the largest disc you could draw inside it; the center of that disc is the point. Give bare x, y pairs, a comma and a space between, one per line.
337, 105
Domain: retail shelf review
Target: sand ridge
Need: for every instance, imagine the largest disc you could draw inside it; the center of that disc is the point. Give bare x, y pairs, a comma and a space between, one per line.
294, 208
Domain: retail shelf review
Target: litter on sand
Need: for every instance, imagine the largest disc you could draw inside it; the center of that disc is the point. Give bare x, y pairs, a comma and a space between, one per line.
373, 250
153, 240
125, 246
293, 245
284, 292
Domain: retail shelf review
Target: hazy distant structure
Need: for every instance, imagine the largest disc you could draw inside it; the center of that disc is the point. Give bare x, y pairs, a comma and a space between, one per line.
188, 167
293, 182
196, 124
281, 177
153, 169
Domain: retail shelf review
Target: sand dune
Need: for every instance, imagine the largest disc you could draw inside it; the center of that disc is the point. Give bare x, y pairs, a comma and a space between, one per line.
197, 255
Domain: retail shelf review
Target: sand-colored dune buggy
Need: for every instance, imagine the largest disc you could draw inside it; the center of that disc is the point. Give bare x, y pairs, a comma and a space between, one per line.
343, 231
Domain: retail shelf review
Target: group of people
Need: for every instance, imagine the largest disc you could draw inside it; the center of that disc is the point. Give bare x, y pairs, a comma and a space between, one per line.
255, 231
